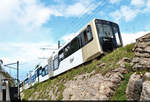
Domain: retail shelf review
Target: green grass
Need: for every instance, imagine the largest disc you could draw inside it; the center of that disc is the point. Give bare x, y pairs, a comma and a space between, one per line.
112, 58
110, 61
120, 93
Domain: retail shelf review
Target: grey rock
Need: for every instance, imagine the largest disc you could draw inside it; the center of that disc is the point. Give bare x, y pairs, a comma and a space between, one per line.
147, 49
121, 70
101, 65
144, 55
135, 60
134, 87
142, 45
96, 87
116, 77
138, 49
146, 76
123, 61
145, 95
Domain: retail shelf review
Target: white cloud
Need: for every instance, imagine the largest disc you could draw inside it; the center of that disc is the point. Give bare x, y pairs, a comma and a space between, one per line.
147, 8
128, 13
34, 13
116, 15
114, 1
138, 3
7, 8
125, 12
129, 38
76, 9
28, 55
25, 52
68, 37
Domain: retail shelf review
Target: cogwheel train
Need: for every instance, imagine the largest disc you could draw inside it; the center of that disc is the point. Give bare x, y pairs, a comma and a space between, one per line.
97, 37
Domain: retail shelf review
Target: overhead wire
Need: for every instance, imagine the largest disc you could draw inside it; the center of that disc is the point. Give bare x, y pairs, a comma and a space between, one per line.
90, 16
77, 23
75, 20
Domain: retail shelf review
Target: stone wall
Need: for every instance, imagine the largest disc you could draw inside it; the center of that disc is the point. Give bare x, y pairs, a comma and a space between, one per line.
141, 59
138, 87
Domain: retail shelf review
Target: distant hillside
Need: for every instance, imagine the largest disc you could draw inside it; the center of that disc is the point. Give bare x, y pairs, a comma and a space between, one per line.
81, 82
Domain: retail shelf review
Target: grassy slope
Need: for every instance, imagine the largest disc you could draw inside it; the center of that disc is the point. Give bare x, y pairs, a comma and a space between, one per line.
110, 59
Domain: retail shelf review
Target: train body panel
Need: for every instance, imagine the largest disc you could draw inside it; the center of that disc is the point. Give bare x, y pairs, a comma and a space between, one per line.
70, 62
43, 78
92, 49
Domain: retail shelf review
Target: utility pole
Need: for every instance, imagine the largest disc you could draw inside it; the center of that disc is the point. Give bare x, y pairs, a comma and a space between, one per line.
59, 44
18, 79
17, 63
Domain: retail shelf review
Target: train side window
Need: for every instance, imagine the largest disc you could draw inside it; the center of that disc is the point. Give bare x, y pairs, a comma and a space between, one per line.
74, 45
82, 39
86, 35
26, 81
61, 55
67, 50
46, 70
43, 72
79, 40
56, 63
40, 71
89, 33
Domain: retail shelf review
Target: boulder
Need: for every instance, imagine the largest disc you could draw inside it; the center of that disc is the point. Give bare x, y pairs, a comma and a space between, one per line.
146, 76
134, 87
123, 61
116, 77
145, 95
121, 70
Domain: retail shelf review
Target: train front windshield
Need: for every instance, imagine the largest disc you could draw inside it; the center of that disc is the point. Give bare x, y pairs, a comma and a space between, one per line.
109, 35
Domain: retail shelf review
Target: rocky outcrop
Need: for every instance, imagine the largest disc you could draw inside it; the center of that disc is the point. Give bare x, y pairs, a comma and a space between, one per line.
138, 87
145, 95
142, 53
93, 86
134, 87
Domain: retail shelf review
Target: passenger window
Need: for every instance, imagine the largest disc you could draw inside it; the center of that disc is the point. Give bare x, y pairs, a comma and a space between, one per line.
40, 71
56, 63
67, 50
86, 36
46, 70
61, 55
74, 45
89, 33
79, 40
26, 81
43, 72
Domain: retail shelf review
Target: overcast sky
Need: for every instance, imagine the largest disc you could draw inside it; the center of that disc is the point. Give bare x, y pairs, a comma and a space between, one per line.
28, 25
